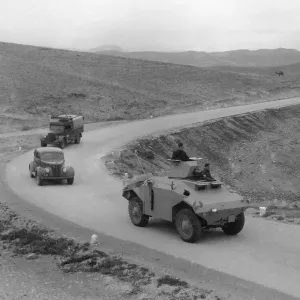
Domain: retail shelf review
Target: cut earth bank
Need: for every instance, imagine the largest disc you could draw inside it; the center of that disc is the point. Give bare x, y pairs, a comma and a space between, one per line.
257, 154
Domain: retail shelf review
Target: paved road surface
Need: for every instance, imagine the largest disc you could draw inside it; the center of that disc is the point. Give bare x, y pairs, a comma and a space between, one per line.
264, 252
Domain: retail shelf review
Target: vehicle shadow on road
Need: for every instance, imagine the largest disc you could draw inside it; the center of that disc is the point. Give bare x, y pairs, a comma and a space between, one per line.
167, 228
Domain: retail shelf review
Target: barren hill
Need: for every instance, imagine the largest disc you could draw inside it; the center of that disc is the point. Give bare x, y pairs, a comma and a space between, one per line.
35, 82
242, 58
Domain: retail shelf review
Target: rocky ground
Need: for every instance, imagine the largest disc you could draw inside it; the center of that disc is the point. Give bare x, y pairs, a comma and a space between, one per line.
256, 154
36, 264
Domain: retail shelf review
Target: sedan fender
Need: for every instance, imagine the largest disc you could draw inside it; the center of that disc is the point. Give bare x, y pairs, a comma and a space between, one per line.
70, 171
40, 171
31, 167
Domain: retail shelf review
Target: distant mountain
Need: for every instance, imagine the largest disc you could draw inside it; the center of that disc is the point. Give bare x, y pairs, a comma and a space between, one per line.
107, 48
72, 49
238, 58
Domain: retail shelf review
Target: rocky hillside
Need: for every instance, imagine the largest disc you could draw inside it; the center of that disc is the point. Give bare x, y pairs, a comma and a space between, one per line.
35, 82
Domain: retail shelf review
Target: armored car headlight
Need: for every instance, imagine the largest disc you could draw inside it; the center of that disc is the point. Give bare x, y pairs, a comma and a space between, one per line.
64, 169
197, 204
47, 170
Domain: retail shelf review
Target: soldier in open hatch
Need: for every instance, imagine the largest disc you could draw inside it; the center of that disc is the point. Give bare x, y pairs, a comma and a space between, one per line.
180, 154
204, 174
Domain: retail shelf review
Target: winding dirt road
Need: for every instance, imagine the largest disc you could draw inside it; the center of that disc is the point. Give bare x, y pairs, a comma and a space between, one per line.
265, 252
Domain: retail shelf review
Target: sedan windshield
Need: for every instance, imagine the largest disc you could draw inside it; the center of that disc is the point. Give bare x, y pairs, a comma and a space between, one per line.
52, 157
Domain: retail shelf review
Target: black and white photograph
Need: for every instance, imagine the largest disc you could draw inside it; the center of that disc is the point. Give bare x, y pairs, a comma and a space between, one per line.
149, 150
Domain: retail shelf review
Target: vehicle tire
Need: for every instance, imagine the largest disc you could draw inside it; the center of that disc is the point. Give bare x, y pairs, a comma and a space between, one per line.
135, 210
77, 139
63, 144
191, 230
70, 180
39, 180
43, 144
235, 227
30, 173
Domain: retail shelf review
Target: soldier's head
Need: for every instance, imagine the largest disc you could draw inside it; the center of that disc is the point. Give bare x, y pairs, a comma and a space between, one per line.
180, 145
206, 166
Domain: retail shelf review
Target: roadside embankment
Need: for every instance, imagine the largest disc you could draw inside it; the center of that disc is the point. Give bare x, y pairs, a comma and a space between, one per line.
257, 154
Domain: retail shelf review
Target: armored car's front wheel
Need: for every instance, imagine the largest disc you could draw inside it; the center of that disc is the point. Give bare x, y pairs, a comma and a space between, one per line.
135, 210
235, 227
188, 225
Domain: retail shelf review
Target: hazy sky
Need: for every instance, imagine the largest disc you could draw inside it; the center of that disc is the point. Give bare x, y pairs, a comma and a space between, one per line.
175, 25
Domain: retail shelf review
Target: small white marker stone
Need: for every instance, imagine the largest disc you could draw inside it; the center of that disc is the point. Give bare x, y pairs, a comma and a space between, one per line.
262, 211
94, 239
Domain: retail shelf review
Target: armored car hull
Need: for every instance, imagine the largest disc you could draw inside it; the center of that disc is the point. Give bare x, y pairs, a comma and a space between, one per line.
192, 204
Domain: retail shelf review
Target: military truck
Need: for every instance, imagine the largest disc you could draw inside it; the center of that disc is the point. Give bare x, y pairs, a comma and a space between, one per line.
64, 129
182, 198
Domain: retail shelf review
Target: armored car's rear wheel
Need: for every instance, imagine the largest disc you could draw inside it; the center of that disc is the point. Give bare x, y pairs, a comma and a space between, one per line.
135, 210
188, 225
235, 227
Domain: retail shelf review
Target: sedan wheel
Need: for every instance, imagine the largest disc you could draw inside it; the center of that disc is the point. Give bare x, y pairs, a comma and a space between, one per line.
70, 180
39, 180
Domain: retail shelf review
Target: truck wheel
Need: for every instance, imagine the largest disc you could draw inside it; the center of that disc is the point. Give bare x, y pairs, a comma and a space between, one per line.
63, 144
235, 227
39, 180
70, 180
77, 139
135, 210
188, 225
43, 144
